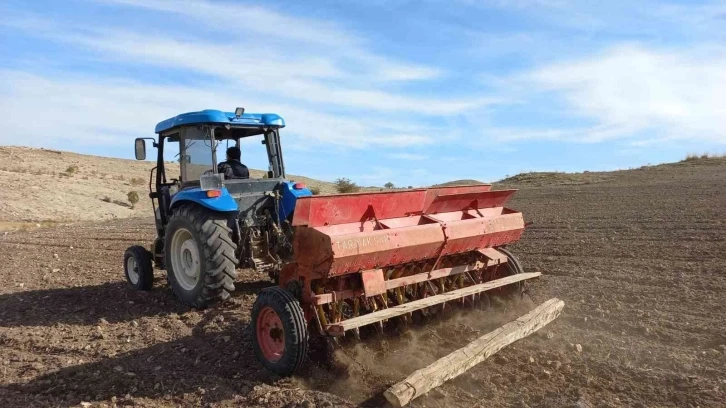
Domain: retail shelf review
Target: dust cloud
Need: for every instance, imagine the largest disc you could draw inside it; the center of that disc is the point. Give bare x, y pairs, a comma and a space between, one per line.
361, 370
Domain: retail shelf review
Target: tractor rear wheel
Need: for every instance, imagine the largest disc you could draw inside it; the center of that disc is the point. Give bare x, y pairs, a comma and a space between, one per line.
280, 336
199, 256
137, 267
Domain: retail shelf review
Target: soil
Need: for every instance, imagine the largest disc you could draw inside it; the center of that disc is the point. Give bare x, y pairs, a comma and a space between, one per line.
639, 257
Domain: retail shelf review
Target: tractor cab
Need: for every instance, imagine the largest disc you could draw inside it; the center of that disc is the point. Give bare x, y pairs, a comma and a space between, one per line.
251, 204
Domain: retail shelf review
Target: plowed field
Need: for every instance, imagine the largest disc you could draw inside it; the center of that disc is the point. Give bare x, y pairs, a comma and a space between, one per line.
639, 257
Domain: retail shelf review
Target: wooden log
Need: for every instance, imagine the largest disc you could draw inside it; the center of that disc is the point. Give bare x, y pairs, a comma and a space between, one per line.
459, 361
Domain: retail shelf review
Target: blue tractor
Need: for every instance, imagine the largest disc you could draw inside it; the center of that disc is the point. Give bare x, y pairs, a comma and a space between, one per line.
208, 226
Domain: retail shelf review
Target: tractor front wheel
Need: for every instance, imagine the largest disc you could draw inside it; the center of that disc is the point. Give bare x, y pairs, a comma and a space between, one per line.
137, 267
280, 336
199, 256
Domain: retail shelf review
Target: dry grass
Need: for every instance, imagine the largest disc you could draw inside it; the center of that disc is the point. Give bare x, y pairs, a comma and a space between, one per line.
694, 156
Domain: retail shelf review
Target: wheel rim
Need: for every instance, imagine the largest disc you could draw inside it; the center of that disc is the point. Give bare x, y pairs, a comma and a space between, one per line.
132, 270
185, 259
270, 334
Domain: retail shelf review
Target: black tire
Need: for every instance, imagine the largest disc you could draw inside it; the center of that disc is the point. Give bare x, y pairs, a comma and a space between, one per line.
294, 327
216, 252
514, 267
139, 272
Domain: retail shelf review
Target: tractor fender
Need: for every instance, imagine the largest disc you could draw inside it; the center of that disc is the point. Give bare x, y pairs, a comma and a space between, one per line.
289, 195
223, 203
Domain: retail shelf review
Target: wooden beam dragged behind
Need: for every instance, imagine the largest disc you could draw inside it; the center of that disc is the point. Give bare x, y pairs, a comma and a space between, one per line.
459, 361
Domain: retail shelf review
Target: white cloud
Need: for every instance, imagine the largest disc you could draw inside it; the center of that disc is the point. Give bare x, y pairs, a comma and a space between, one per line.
306, 77
113, 111
326, 38
58, 111
678, 94
234, 17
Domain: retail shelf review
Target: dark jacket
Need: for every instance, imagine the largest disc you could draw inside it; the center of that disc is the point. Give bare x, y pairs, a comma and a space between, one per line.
233, 169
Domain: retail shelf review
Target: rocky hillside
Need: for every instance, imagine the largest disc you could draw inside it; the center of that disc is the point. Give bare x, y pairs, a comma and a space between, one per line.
662, 173
39, 186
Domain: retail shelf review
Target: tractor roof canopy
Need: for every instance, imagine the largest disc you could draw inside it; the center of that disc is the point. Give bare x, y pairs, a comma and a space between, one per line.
254, 122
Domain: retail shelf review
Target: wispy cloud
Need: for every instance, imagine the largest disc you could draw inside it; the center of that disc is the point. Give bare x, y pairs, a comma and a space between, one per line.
628, 89
236, 19
112, 111
304, 77
327, 38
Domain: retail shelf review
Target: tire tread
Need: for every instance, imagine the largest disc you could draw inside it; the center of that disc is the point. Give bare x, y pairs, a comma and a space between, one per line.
217, 249
145, 264
296, 333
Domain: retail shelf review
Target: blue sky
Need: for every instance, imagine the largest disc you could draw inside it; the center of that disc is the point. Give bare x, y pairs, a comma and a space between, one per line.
410, 92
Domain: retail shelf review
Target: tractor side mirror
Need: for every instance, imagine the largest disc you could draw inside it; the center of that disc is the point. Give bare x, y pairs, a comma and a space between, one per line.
140, 149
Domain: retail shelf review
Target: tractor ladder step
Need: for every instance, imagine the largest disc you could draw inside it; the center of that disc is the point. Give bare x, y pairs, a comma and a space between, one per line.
337, 329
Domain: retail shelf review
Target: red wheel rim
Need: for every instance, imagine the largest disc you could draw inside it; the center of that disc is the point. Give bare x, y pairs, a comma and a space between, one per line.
270, 334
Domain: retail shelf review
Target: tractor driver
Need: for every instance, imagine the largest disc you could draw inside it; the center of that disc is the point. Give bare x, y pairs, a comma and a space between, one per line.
232, 168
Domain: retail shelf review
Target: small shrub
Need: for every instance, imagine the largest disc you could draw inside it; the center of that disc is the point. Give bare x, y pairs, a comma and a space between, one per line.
72, 169
133, 197
388, 185
137, 181
106, 199
410, 186
344, 185
315, 190
118, 177
691, 157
